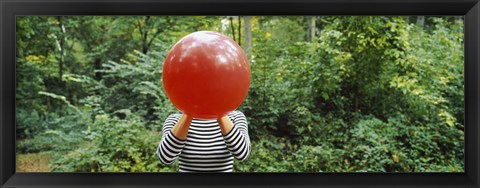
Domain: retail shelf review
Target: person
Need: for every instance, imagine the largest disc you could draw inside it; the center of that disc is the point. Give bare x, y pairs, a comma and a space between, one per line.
204, 145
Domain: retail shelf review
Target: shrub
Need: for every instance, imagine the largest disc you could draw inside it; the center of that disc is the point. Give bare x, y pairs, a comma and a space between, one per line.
115, 145
53, 132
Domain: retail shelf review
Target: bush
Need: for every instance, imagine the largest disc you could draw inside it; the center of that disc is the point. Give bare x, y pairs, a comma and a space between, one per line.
29, 123
135, 84
52, 133
115, 145
269, 154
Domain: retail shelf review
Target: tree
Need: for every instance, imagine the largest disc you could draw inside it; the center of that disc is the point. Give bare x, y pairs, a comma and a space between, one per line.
311, 29
239, 31
248, 35
150, 27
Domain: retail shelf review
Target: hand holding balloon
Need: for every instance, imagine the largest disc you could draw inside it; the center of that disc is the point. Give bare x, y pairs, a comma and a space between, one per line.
206, 75
180, 130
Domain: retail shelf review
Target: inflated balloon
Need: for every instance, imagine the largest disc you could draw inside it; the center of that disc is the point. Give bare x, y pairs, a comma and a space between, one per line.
206, 75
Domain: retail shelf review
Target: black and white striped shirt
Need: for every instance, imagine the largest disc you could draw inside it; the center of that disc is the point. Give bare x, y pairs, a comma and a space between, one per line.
205, 149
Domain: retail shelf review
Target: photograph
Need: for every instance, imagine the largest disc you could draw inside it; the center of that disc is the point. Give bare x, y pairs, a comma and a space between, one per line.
240, 94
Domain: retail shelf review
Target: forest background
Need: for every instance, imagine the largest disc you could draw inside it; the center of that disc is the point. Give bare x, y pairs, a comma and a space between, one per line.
328, 93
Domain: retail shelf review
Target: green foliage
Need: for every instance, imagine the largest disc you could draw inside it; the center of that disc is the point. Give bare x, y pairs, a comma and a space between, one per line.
29, 123
359, 92
368, 94
52, 132
137, 85
114, 145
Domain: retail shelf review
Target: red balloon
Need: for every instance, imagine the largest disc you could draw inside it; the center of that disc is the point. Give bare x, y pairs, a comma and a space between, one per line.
206, 75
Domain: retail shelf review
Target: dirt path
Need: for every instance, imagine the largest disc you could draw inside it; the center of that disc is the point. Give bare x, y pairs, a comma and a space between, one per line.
34, 162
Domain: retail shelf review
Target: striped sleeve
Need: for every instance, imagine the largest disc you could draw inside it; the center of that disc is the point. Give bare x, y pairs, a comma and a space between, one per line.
170, 146
238, 140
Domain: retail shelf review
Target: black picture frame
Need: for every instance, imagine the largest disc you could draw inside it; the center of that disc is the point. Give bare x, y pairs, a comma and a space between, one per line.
9, 9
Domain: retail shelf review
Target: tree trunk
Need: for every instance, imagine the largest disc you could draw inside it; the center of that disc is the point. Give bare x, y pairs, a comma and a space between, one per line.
420, 21
248, 36
145, 35
61, 44
239, 31
233, 28
98, 66
312, 28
